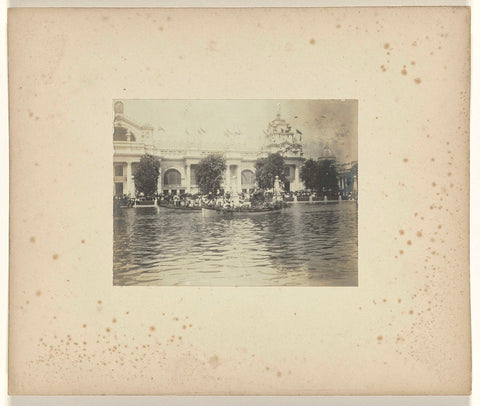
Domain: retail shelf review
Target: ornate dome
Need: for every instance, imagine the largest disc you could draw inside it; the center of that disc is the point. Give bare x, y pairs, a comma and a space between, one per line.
327, 152
279, 136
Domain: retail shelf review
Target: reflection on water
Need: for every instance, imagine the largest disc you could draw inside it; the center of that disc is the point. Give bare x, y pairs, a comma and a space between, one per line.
304, 245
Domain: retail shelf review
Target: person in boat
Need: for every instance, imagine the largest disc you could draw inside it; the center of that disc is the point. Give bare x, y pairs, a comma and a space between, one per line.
174, 200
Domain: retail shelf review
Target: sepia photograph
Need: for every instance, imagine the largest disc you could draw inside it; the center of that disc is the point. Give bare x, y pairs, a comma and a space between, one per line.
235, 192
280, 206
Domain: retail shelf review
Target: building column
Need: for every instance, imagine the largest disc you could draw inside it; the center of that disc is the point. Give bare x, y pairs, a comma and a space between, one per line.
239, 179
130, 184
159, 182
188, 180
227, 178
297, 178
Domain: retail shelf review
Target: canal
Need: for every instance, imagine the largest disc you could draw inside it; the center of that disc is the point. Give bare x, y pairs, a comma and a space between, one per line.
304, 245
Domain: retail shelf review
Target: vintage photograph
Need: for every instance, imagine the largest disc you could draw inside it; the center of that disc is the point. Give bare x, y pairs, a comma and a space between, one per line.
235, 192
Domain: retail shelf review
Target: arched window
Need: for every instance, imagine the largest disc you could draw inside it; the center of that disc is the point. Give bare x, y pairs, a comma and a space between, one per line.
248, 177
172, 177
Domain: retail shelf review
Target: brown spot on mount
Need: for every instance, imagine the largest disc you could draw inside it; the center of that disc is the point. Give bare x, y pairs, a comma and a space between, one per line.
312, 41
214, 361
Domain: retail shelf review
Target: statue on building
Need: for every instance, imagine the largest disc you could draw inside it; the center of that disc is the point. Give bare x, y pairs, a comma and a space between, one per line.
118, 107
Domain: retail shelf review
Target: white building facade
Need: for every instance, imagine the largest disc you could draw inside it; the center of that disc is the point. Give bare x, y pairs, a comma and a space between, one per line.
177, 171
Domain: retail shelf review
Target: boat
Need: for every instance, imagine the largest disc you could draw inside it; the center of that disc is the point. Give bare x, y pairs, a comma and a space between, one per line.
144, 202
175, 207
210, 211
122, 202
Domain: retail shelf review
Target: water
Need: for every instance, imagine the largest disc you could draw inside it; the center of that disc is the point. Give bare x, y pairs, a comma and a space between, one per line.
304, 245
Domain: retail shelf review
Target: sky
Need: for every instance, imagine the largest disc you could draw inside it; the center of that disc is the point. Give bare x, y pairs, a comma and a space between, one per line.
240, 124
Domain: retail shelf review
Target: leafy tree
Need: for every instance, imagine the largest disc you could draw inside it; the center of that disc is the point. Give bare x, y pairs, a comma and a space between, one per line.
209, 173
320, 176
308, 174
266, 169
146, 177
328, 179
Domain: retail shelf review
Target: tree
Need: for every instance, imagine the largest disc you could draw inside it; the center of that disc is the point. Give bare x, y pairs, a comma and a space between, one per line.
209, 173
308, 174
146, 176
328, 178
320, 176
266, 169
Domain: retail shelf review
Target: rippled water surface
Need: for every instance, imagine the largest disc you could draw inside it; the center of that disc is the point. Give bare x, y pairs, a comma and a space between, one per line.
304, 245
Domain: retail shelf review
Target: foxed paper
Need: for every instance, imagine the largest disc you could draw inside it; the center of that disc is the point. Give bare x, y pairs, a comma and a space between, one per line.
402, 327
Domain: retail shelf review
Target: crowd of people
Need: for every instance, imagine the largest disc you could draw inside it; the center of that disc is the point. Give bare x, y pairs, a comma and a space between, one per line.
183, 200
305, 195
227, 200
